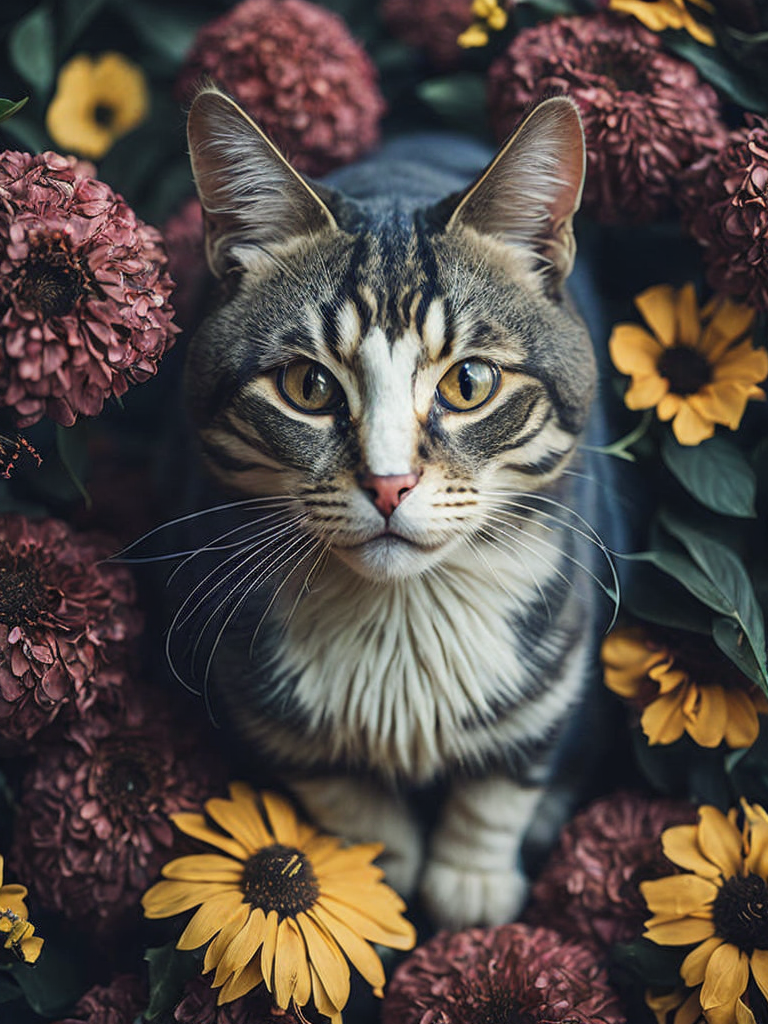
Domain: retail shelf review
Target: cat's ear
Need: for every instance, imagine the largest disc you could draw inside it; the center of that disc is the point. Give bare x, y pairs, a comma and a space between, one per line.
530, 191
253, 201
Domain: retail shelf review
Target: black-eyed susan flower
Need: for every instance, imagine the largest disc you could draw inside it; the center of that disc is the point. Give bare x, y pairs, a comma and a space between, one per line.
696, 367
97, 101
16, 932
282, 904
658, 15
719, 907
684, 684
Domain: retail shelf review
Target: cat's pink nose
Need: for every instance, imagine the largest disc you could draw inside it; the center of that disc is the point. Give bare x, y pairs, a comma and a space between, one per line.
388, 491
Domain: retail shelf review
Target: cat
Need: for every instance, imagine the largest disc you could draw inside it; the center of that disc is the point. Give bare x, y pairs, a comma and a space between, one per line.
392, 389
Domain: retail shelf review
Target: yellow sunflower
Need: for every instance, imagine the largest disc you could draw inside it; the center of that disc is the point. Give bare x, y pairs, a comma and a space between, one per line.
489, 14
97, 101
286, 905
658, 15
695, 367
18, 934
679, 1007
685, 685
719, 907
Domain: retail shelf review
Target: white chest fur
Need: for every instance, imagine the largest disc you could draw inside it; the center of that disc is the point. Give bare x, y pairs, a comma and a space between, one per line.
392, 673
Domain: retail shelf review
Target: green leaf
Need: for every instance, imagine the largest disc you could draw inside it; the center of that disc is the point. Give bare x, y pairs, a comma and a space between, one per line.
168, 32
51, 985
724, 75
715, 472
9, 990
72, 446
657, 966
458, 99
169, 970
730, 638
726, 573
665, 603
75, 17
8, 108
32, 49
681, 568
27, 132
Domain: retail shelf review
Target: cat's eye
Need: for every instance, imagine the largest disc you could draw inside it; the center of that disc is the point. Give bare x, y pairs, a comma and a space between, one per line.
468, 385
309, 387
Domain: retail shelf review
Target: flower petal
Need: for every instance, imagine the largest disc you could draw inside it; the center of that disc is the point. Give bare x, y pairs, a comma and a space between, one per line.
326, 958
720, 841
633, 350
209, 867
250, 977
742, 726
678, 895
216, 950
681, 845
268, 949
694, 966
388, 929
680, 933
209, 919
291, 965
688, 321
657, 306
282, 818
646, 392
360, 953
759, 964
241, 820
321, 998
165, 899
243, 947
725, 981
662, 720
196, 826
706, 723
689, 427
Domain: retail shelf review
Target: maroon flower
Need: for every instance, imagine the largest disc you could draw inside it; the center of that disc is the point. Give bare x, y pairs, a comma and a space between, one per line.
588, 889
432, 26
724, 205
508, 973
184, 240
93, 826
120, 1002
198, 1006
65, 615
647, 114
295, 68
83, 290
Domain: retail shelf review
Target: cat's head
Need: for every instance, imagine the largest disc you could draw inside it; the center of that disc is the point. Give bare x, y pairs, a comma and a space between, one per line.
393, 375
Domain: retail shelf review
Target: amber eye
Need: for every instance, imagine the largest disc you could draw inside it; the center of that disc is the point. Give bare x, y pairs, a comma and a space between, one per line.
468, 385
308, 386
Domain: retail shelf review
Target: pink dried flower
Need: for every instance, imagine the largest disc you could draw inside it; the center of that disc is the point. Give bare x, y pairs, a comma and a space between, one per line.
65, 615
512, 972
294, 67
83, 290
647, 115
93, 826
432, 25
120, 1002
198, 1006
724, 203
184, 241
588, 889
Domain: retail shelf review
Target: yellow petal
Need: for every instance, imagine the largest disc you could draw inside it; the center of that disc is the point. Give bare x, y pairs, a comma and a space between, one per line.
243, 946
351, 859
326, 958
360, 953
694, 966
657, 306
633, 350
759, 964
720, 402
742, 726
680, 933
241, 820
212, 916
681, 846
742, 363
678, 895
282, 818
290, 963
662, 720
690, 1011
209, 867
217, 948
720, 841
389, 929
320, 996
268, 949
196, 826
689, 427
726, 979
168, 898
646, 392
688, 321
743, 1014
669, 406
730, 321
706, 723
249, 978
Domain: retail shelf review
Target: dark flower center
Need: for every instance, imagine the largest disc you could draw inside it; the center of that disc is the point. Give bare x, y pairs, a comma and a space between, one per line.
627, 74
24, 595
686, 369
104, 115
496, 1004
126, 776
51, 280
740, 912
280, 878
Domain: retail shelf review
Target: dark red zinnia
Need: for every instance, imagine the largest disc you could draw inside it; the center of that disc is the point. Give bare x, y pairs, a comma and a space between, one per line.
120, 1002
198, 1006
84, 290
432, 26
508, 973
589, 888
93, 828
66, 616
647, 115
724, 204
294, 67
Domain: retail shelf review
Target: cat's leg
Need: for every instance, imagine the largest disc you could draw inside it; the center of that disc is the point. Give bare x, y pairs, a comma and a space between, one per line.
363, 812
473, 874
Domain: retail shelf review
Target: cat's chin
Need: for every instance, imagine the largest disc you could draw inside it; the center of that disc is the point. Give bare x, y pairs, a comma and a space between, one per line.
389, 557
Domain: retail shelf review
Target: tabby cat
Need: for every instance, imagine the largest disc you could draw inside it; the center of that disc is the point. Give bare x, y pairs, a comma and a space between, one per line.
391, 390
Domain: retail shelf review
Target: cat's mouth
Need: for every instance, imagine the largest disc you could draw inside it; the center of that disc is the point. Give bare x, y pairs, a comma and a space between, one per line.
393, 539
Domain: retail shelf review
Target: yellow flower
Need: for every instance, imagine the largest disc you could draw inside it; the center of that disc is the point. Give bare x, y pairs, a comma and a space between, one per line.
286, 905
19, 934
679, 1007
685, 685
720, 907
696, 367
97, 101
488, 15
660, 14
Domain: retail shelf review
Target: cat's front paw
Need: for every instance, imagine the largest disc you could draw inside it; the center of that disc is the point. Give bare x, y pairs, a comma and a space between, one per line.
459, 897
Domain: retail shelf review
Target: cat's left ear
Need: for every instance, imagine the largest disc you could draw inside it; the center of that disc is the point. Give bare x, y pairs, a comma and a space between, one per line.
530, 191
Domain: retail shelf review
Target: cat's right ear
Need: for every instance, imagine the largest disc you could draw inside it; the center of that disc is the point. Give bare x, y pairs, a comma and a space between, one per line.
253, 200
